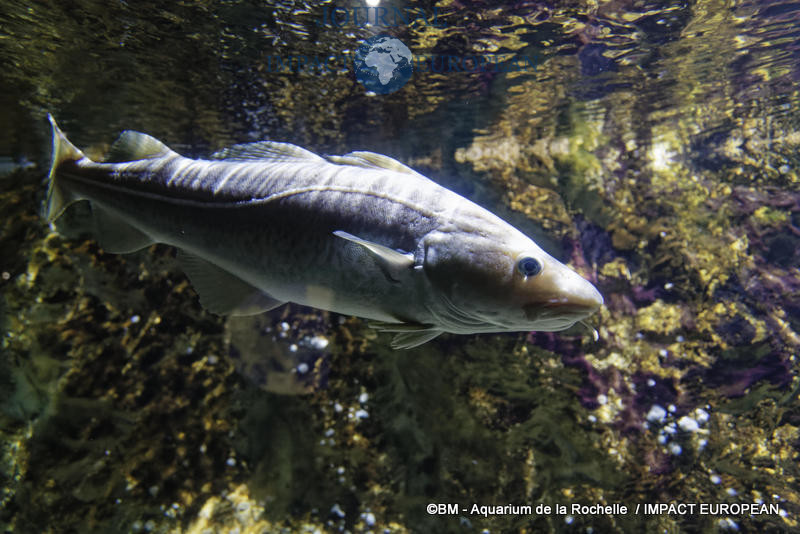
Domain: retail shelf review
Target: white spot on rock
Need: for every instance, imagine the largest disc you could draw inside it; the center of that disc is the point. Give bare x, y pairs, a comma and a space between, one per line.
656, 414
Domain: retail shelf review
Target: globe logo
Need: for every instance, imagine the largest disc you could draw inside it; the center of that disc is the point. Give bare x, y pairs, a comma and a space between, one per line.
383, 64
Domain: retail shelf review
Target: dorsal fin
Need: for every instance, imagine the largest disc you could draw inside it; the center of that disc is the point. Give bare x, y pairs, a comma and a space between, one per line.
135, 145
268, 150
371, 160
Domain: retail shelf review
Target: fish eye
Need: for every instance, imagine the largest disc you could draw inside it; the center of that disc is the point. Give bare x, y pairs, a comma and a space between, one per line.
529, 266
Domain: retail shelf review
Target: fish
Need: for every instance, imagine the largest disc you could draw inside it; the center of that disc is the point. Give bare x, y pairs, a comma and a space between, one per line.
261, 224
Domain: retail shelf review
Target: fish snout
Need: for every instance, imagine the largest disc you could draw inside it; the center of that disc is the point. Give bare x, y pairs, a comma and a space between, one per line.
574, 291
574, 299
585, 297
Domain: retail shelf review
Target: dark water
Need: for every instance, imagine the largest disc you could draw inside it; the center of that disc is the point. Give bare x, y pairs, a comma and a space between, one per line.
654, 147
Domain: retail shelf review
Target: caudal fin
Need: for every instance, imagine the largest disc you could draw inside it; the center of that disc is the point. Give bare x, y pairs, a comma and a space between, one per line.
58, 198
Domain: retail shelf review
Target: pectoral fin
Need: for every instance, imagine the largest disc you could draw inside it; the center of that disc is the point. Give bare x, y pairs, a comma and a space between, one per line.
393, 262
223, 293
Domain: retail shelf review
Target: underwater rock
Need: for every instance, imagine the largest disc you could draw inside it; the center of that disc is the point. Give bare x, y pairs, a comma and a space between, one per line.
282, 351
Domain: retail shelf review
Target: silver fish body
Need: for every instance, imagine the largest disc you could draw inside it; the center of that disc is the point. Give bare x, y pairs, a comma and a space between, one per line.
267, 223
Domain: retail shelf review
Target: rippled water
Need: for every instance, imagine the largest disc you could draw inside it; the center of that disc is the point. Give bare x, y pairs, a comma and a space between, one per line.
654, 147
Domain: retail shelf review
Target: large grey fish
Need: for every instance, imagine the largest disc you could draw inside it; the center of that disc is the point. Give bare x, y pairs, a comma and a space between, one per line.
258, 225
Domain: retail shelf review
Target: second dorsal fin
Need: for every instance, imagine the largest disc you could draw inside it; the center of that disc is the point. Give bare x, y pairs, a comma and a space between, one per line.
266, 150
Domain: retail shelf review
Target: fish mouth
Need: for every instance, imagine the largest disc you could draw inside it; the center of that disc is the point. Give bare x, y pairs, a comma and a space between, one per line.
547, 310
572, 306
573, 298
583, 300
568, 310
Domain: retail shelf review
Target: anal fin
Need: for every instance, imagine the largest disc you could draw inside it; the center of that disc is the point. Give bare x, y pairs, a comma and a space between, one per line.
224, 293
116, 235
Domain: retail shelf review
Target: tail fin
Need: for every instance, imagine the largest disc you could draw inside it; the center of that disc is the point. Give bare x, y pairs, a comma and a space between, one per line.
57, 197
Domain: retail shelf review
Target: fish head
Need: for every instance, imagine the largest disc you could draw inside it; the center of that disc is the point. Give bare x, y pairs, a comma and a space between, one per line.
505, 280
